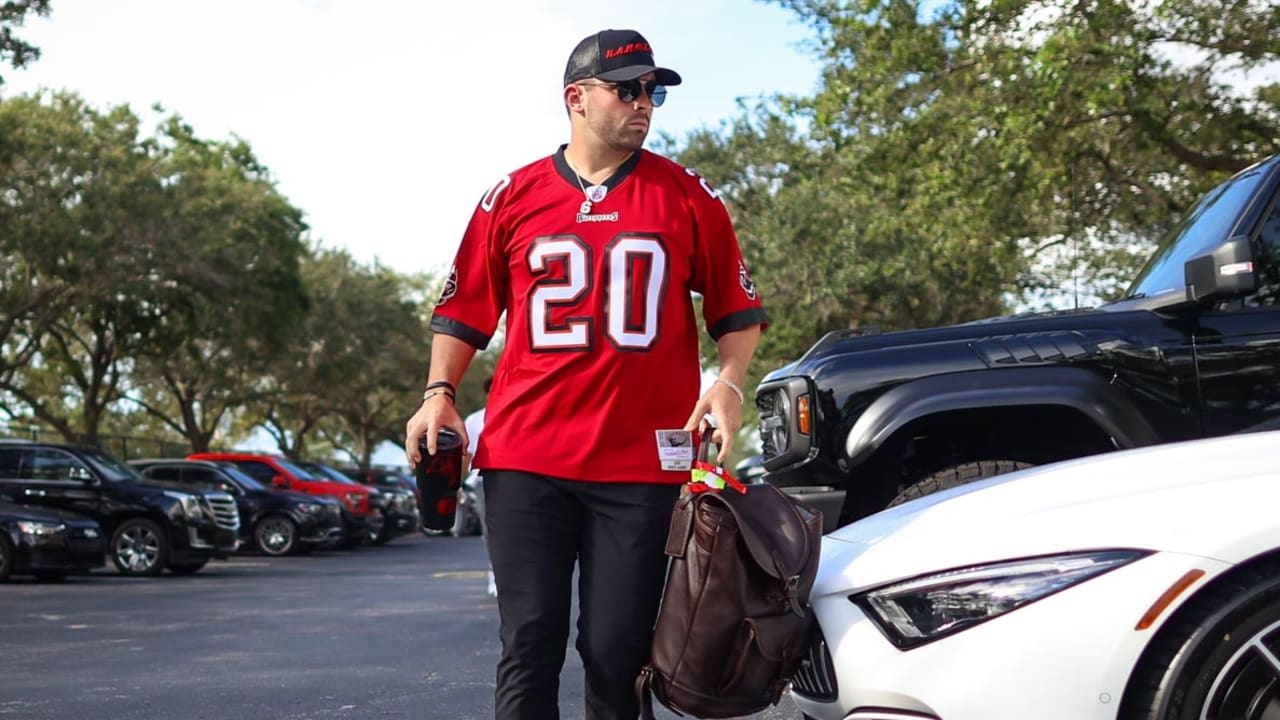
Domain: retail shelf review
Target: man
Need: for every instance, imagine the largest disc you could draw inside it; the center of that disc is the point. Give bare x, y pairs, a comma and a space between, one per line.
593, 253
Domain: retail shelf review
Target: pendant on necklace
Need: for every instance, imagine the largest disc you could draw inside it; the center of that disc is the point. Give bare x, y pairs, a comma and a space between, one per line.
596, 193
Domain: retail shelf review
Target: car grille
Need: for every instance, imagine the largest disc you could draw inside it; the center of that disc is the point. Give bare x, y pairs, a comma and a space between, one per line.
333, 513
222, 508
816, 676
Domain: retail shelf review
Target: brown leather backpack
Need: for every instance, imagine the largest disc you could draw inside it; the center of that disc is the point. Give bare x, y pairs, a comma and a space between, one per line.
735, 615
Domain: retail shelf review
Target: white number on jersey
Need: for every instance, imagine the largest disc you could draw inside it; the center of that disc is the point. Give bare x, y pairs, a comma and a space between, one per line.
636, 272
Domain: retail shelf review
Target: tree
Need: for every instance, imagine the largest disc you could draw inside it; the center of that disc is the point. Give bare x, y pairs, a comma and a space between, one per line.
232, 286
157, 248
1044, 120
13, 50
78, 217
358, 365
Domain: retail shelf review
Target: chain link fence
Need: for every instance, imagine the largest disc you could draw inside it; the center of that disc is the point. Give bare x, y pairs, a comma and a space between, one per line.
125, 447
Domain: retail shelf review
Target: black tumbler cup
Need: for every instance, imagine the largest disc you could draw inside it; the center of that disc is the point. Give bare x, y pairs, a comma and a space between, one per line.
439, 476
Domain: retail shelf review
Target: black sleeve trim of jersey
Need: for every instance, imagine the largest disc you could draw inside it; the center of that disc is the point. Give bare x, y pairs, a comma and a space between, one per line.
463, 332
738, 321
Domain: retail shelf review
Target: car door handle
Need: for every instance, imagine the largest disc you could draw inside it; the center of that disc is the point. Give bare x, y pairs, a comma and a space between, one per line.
39, 493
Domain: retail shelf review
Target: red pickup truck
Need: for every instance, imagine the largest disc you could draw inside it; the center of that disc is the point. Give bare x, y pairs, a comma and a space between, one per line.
361, 520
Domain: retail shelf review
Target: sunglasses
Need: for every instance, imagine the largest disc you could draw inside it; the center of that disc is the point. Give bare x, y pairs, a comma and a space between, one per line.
629, 90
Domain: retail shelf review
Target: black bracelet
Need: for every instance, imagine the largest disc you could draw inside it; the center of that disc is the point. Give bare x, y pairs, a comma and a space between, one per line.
441, 384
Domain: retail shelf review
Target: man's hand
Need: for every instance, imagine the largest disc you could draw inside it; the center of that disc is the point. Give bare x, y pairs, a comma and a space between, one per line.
722, 403
435, 412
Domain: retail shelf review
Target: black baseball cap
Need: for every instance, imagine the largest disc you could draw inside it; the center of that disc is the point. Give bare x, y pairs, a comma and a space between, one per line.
615, 56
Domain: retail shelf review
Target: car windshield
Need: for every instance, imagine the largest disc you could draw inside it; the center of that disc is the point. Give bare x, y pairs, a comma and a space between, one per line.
327, 473
111, 468
298, 472
1208, 224
244, 481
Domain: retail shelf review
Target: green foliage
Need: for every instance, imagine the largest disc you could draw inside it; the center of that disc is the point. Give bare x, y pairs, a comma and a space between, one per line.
355, 374
947, 160
167, 263
13, 14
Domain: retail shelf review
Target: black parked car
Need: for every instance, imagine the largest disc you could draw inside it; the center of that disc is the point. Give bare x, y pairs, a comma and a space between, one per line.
399, 506
866, 419
150, 527
49, 544
277, 522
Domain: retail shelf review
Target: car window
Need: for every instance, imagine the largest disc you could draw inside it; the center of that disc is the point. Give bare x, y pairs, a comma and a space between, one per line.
1209, 223
51, 464
297, 471
259, 471
110, 467
1267, 248
242, 478
162, 472
11, 462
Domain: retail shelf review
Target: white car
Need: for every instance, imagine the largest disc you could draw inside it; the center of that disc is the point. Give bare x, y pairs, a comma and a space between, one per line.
1135, 584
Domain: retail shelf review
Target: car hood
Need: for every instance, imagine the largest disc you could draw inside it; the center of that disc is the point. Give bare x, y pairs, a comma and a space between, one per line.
1190, 498
305, 498
1091, 325
42, 514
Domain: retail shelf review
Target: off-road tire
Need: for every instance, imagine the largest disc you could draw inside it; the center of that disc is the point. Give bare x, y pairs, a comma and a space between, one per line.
956, 476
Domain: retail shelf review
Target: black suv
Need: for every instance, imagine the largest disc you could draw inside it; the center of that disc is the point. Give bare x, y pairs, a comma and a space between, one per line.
150, 527
49, 544
864, 420
399, 505
277, 522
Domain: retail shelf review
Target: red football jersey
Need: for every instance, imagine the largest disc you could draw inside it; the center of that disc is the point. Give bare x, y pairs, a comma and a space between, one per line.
601, 335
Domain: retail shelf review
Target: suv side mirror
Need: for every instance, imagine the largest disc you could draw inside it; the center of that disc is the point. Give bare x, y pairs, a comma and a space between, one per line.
1226, 272
279, 481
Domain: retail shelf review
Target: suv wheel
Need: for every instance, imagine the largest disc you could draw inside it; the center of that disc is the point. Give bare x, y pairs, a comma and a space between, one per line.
276, 535
6, 558
139, 547
956, 476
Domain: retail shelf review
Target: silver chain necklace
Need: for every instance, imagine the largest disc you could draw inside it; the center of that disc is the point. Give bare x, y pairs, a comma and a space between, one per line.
590, 193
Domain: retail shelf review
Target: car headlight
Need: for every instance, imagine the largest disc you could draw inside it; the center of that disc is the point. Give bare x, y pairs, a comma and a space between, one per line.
924, 609
190, 503
310, 508
40, 529
354, 499
774, 407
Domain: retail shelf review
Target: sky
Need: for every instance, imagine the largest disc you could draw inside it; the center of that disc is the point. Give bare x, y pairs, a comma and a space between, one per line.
386, 120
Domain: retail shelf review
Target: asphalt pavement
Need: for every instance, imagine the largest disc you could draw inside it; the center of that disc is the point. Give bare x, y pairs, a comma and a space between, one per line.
400, 631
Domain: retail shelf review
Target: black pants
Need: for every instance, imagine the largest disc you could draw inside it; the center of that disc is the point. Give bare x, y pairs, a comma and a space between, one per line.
538, 527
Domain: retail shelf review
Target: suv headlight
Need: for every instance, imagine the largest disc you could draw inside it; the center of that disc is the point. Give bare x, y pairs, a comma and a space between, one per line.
310, 508
354, 499
33, 529
924, 609
774, 433
190, 503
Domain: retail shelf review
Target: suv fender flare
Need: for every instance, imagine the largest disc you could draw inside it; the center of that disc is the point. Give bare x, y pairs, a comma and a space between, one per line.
1095, 398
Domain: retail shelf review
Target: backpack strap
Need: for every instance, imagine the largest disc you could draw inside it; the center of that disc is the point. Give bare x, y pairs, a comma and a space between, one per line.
681, 525
774, 532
